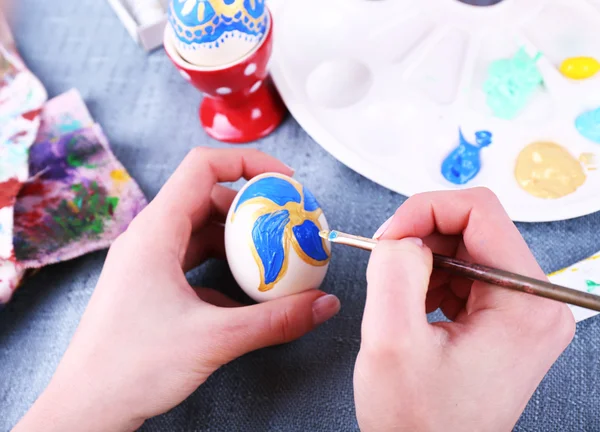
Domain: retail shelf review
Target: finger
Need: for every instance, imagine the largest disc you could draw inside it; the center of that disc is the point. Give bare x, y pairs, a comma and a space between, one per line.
434, 298
275, 322
460, 286
215, 298
490, 237
452, 306
208, 242
397, 282
221, 199
185, 200
443, 245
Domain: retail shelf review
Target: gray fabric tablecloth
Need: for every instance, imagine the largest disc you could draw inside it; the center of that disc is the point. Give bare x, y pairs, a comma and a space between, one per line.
149, 114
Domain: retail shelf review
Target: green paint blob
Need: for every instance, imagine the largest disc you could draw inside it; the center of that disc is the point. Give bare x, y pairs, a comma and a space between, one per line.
511, 83
591, 285
86, 212
77, 159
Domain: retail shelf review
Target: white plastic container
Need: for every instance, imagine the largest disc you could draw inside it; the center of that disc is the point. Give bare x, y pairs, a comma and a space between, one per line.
149, 34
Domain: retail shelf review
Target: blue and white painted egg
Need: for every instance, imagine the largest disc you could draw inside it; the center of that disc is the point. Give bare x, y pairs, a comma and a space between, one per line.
272, 238
211, 33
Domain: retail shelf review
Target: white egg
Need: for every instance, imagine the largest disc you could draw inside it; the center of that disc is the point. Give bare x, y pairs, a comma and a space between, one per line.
211, 33
272, 238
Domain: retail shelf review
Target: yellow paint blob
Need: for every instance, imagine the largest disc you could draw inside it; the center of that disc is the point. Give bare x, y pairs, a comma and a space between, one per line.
119, 175
547, 170
580, 68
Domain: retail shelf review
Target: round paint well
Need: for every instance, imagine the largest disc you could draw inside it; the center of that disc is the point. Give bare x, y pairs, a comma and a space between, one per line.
339, 83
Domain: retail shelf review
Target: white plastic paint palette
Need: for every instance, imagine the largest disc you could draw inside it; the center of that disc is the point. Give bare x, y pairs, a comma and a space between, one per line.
385, 85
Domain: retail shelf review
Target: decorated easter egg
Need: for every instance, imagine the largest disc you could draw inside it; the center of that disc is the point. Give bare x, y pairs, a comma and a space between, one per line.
213, 33
272, 238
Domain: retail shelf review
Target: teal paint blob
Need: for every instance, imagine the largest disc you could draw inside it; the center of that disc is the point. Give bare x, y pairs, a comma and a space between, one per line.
333, 235
591, 285
511, 83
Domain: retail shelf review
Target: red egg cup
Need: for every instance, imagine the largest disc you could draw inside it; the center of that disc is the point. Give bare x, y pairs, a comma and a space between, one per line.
240, 102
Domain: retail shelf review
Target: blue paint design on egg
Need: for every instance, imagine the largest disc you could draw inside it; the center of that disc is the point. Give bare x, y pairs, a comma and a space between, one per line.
275, 189
310, 202
268, 238
288, 215
307, 235
588, 125
464, 163
206, 21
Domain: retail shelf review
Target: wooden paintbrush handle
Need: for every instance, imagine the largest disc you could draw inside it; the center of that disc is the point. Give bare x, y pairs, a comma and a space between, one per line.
516, 282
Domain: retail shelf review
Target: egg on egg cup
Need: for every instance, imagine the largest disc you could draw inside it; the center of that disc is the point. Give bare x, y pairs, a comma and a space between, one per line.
241, 103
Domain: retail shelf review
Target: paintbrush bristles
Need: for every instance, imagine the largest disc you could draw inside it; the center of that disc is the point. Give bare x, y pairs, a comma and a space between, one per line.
349, 240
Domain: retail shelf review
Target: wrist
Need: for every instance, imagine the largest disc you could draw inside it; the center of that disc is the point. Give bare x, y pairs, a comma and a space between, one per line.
65, 406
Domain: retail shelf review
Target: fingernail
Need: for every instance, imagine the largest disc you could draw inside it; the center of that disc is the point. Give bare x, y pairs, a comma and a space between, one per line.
383, 228
291, 169
325, 308
414, 240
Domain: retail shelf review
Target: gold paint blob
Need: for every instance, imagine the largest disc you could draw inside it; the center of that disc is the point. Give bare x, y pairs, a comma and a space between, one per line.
548, 170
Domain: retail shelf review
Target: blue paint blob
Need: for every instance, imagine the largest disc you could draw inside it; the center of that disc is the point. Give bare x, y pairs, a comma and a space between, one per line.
464, 163
310, 202
276, 189
307, 235
333, 235
588, 125
267, 235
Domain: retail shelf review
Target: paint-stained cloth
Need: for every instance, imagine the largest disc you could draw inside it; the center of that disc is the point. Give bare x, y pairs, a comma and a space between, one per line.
21, 98
62, 191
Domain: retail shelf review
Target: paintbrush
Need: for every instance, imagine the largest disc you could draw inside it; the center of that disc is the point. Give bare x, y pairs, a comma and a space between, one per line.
486, 274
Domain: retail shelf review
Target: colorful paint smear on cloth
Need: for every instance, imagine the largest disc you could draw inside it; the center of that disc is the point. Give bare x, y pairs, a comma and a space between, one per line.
21, 99
583, 276
78, 198
80, 201
63, 114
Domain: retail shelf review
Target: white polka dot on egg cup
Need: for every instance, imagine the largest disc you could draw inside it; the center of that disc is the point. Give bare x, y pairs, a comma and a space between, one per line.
240, 102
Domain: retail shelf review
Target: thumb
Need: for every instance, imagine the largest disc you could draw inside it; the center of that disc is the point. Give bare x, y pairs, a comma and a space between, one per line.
397, 282
276, 322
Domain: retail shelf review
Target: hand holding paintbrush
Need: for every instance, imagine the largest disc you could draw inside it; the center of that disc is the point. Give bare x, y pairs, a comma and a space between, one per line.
478, 371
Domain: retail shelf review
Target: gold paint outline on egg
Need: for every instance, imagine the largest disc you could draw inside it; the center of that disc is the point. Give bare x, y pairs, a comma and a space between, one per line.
297, 215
